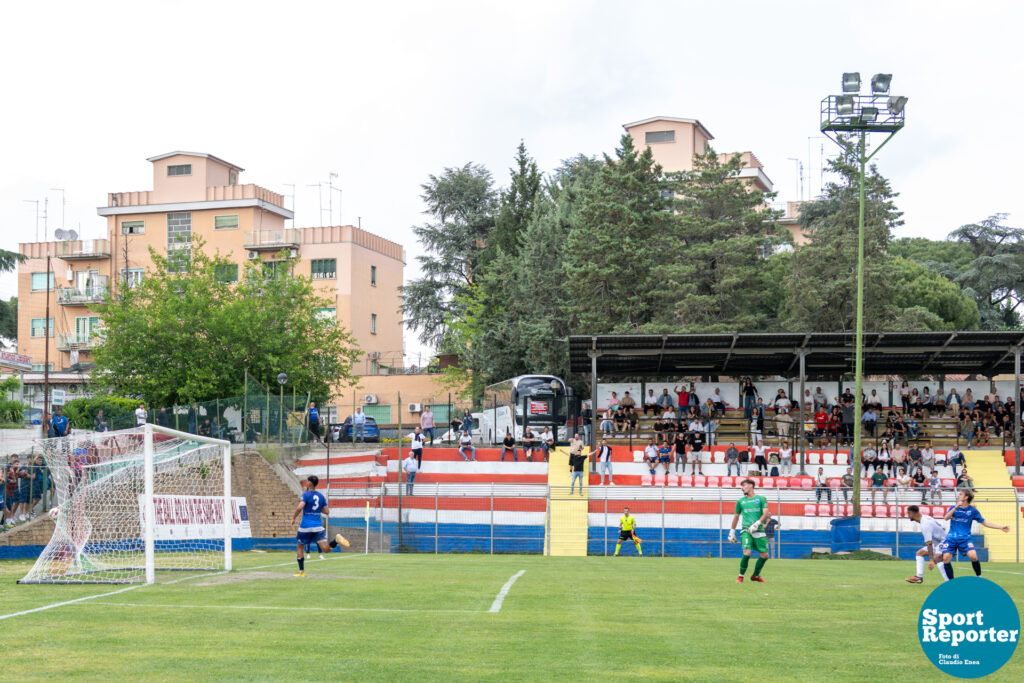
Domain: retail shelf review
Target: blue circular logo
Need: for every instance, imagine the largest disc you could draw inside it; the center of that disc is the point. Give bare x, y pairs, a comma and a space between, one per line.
969, 627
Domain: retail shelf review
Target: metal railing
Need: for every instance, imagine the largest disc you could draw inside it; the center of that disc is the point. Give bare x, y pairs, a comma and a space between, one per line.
92, 293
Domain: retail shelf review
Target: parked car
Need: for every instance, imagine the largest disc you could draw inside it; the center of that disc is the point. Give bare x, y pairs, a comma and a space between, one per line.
343, 431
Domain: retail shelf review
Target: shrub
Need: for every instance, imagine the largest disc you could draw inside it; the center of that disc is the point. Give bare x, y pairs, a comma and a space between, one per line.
12, 412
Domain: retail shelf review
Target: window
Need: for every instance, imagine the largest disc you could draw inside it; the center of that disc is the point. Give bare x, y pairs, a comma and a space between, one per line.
133, 227
226, 272
373, 323
85, 327
179, 240
323, 268
327, 313
38, 367
373, 276
232, 177
274, 269
39, 282
39, 327
225, 222
180, 169
132, 277
655, 136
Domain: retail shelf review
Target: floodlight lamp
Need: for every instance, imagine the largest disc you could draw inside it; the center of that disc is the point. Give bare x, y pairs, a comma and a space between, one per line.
282, 379
880, 83
851, 82
896, 104
845, 105
868, 114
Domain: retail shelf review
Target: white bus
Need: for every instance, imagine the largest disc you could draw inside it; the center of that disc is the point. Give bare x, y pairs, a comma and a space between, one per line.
544, 398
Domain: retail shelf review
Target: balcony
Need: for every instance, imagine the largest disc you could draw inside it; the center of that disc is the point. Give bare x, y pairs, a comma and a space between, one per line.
211, 194
80, 296
76, 342
272, 240
83, 249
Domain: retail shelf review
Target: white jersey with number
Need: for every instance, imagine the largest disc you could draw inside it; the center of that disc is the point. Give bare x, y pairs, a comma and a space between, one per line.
932, 530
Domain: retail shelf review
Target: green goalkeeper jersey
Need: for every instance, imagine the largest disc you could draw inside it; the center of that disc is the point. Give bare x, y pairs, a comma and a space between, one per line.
751, 510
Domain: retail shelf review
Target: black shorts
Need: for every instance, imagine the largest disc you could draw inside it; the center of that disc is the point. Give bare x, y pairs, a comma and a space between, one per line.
627, 535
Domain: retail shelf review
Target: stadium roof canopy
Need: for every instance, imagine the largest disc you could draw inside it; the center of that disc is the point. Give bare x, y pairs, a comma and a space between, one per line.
825, 354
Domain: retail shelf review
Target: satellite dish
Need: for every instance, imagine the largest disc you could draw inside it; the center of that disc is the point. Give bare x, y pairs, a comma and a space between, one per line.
72, 235
60, 234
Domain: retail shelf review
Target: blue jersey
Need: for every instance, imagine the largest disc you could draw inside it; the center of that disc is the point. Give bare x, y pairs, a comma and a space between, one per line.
960, 522
313, 504
314, 415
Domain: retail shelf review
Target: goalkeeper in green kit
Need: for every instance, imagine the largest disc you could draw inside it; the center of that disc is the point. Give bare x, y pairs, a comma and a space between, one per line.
754, 510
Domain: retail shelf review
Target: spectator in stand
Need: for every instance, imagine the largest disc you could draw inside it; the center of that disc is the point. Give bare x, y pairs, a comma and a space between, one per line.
607, 426
879, 482
140, 415
627, 401
968, 402
749, 396
808, 405
665, 456
914, 399
786, 460
587, 420
899, 430
935, 487
613, 403
921, 482
905, 396
665, 401
547, 442
650, 403
928, 460
683, 396
604, 461
359, 425
914, 456
835, 424
694, 458
710, 427
903, 480
679, 445
466, 444
411, 467
964, 480
732, 459
869, 458
821, 486
939, 404
899, 458
953, 402
759, 458
847, 482
663, 430
847, 412
529, 443
913, 428
576, 462
719, 401
926, 401
633, 420
884, 458
59, 424
620, 421
870, 419
651, 456
509, 444
820, 424
99, 423
874, 401
698, 437
427, 423
820, 401
782, 402
782, 425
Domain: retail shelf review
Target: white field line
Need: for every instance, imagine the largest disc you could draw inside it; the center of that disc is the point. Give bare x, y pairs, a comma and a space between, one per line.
496, 605
129, 588
295, 608
997, 571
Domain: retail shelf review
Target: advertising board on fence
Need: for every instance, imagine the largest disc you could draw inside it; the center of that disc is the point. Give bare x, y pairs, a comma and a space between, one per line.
196, 517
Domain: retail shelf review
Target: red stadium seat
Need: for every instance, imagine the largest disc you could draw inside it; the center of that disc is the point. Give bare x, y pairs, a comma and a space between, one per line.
728, 481
810, 510
842, 458
824, 510
827, 458
782, 482
835, 482
894, 511
806, 482
881, 511
714, 481
948, 483
939, 511
685, 480
673, 480
867, 511
646, 480
848, 509
659, 479
768, 482
699, 480
813, 458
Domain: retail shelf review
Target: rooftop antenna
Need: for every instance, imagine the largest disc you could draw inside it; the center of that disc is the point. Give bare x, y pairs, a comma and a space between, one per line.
319, 189
63, 203
36, 202
799, 175
330, 195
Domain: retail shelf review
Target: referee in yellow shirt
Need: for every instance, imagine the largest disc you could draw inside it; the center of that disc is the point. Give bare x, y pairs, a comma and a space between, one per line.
627, 532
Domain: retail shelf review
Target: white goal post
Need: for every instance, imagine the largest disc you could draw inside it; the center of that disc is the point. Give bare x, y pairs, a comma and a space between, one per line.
134, 502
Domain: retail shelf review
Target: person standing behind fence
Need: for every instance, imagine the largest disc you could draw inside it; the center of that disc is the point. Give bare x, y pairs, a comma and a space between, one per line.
314, 421
359, 425
99, 423
427, 423
604, 459
411, 468
417, 447
141, 415
59, 424
576, 461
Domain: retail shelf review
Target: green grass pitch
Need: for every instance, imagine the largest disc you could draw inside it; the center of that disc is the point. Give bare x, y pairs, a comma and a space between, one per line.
427, 617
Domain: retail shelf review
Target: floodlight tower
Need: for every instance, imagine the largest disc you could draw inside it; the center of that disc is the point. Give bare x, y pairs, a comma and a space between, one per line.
852, 112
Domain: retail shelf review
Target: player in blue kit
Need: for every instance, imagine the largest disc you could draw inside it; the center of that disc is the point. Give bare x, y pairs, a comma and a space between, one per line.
960, 518
311, 529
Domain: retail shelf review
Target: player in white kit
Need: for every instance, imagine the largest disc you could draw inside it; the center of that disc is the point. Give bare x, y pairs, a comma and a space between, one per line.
934, 534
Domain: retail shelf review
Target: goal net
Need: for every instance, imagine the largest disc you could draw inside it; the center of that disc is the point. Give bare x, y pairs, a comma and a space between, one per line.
134, 502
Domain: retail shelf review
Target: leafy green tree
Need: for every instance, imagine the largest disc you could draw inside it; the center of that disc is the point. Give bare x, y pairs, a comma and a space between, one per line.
623, 225
9, 318
462, 202
994, 276
822, 286
187, 332
935, 302
711, 276
517, 204
936, 254
9, 260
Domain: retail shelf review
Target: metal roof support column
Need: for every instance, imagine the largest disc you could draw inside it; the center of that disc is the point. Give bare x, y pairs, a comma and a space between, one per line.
803, 417
1016, 403
593, 410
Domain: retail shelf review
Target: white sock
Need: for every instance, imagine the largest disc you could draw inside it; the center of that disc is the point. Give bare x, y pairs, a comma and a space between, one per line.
920, 565
941, 566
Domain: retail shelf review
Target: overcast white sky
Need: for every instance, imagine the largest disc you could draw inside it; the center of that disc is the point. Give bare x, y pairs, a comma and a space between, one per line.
386, 94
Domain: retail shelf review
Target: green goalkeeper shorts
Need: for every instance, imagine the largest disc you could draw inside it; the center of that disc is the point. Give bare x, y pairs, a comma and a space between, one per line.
760, 544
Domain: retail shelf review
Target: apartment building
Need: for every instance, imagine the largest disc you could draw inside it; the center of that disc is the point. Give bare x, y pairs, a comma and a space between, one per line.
200, 195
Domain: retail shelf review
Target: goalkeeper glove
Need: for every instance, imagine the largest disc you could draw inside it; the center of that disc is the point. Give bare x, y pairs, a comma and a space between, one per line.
753, 527
732, 535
